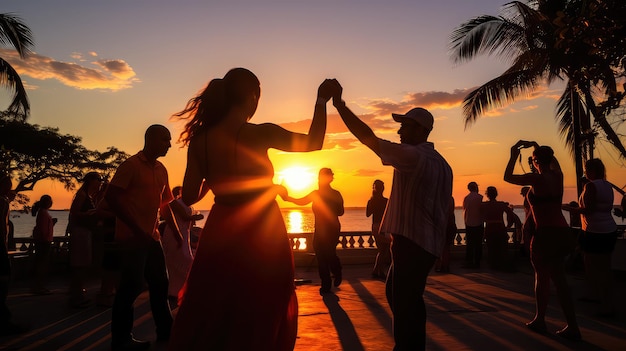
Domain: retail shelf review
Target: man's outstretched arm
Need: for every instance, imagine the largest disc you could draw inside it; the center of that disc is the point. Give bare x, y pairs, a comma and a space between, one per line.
357, 127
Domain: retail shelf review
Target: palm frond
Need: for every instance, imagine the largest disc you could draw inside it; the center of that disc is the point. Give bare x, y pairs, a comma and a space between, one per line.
10, 79
15, 33
600, 118
466, 41
565, 120
497, 92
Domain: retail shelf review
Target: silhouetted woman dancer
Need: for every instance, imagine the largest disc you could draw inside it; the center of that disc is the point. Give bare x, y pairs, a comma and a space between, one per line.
599, 234
240, 292
81, 223
552, 240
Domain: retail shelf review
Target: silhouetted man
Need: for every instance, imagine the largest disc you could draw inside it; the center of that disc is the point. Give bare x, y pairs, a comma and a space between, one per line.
416, 215
327, 207
138, 189
474, 226
376, 208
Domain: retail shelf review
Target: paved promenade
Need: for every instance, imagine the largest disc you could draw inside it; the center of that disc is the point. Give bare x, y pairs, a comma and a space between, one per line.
467, 310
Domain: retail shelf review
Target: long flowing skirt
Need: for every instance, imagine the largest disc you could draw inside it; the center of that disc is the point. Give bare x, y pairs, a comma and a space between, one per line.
240, 292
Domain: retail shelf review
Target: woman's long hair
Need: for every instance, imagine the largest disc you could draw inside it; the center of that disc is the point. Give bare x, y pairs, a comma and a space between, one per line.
87, 179
210, 106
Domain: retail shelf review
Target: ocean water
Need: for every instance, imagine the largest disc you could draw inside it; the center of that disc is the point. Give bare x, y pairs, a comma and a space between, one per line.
297, 220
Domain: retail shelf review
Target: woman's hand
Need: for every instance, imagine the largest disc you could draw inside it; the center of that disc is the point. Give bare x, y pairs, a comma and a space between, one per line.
282, 192
326, 90
522, 144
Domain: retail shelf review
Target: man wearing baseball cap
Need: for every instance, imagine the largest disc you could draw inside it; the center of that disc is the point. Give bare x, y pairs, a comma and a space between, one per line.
416, 216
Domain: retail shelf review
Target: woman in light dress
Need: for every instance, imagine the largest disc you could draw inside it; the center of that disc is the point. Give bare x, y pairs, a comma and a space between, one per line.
178, 256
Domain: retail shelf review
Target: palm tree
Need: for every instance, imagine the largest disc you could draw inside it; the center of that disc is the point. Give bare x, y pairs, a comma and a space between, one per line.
581, 42
13, 32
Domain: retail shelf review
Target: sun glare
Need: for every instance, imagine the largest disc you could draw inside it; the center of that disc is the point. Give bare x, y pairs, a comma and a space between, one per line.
296, 178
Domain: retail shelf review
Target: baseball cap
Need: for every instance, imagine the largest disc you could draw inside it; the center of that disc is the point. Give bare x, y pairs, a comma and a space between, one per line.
419, 115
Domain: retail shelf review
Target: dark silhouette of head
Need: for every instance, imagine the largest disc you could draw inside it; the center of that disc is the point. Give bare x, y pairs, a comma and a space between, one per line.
416, 125
44, 202
492, 192
594, 169
5, 183
472, 186
325, 176
91, 176
239, 87
157, 141
177, 191
89, 180
378, 187
543, 155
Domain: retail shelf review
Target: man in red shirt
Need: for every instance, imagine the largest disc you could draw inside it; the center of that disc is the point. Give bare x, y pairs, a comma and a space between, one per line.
139, 188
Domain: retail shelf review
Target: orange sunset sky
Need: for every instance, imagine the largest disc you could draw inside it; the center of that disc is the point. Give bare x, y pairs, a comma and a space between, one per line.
106, 70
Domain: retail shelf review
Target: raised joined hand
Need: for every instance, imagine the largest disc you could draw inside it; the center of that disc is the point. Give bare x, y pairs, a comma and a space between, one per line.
337, 91
325, 91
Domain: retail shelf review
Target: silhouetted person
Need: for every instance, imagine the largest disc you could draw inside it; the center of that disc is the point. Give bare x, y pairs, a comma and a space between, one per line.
42, 240
496, 236
552, 240
442, 264
416, 215
178, 257
138, 189
7, 327
111, 260
474, 226
11, 245
528, 228
327, 207
575, 258
240, 292
599, 235
376, 208
81, 223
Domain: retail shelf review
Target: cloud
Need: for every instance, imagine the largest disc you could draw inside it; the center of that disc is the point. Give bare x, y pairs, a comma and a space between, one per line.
443, 100
367, 172
335, 125
333, 142
430, 100
378, 114
495, 112
111, 75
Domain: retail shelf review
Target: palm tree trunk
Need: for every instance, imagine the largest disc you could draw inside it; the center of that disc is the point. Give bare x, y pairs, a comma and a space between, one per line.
578, 154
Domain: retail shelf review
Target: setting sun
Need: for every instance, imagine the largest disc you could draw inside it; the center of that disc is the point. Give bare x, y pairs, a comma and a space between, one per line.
296, 178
